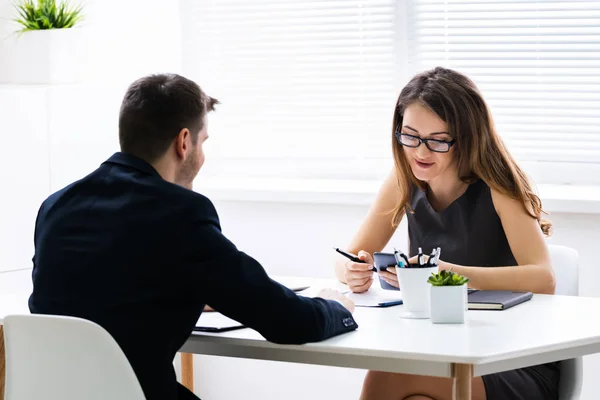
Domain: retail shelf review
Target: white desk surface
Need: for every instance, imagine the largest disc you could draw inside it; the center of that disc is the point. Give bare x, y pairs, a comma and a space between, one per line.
547, 328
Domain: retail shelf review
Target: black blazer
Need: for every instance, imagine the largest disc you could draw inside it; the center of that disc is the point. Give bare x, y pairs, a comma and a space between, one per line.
142, 257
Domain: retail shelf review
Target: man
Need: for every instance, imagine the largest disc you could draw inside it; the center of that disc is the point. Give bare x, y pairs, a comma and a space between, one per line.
134, 249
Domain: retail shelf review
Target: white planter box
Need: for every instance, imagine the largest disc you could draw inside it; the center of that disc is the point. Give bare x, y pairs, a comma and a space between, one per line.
53, 56
448, 304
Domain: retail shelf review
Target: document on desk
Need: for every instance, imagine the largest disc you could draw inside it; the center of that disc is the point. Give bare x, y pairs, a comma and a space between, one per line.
297, 284
376, 297
216, 322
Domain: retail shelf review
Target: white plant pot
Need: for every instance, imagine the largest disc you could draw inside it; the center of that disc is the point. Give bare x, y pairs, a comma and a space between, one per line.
448, 304
53, 56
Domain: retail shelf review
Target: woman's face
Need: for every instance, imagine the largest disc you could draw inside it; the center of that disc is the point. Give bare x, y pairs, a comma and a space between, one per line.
426, 164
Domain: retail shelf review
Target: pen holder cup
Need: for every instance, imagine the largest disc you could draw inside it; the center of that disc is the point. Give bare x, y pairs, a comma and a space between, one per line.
416, 291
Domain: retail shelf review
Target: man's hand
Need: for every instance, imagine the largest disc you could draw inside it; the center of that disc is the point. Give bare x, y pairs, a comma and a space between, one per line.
208, 308
332, 294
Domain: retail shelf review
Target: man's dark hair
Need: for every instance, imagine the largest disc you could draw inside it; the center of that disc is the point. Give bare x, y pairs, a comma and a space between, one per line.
155, 109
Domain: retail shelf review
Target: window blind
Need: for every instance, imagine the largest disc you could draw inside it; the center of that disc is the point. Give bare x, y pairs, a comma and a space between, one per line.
537, 64
307, 87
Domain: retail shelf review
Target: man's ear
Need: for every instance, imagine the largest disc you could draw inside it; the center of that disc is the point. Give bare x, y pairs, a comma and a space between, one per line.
181, 143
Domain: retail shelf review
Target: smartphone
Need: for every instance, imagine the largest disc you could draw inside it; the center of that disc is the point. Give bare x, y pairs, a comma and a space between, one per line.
382, 261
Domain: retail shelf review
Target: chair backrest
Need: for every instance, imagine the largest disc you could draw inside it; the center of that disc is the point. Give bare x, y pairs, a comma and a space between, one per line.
65, 358
565, 262
571, 379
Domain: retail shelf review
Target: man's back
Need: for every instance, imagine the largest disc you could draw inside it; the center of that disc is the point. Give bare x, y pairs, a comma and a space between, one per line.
142, 256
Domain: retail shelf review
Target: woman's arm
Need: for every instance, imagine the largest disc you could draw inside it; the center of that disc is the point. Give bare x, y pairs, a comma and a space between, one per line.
376, 230
534, 270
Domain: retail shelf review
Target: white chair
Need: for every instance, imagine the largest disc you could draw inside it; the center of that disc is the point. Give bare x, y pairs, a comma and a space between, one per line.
565, 261
65, 358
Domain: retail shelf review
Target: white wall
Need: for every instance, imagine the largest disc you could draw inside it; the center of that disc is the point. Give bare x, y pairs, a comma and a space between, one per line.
131, 38
124, 39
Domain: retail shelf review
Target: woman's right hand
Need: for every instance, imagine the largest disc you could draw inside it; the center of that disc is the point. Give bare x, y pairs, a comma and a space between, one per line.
359, 276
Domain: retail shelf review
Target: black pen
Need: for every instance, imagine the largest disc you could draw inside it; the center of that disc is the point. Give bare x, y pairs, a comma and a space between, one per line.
405, 259
397, 256
352, 257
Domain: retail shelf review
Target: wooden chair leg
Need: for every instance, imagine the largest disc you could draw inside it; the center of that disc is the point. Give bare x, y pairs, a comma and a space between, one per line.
463, 374
2, 364
187, 371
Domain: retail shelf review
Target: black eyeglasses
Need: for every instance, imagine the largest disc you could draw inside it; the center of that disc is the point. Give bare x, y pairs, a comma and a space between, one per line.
438, 146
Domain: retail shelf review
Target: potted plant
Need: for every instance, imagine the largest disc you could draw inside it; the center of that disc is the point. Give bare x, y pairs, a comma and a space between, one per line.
448, 297
47, 47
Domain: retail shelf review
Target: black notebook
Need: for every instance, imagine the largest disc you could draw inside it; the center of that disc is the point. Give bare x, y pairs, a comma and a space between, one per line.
496, 299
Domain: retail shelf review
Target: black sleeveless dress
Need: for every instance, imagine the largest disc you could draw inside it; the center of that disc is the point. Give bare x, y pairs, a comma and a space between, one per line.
470, 233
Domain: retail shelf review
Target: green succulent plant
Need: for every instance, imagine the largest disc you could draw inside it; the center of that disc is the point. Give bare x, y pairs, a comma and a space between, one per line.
46, 14
447, 278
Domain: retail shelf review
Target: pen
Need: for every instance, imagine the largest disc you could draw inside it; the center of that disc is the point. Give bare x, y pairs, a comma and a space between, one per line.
352, 257
349, 256
420, 257
405, 259
401, 263
389, 303
431, 260
402, 255
397, 256
437, 255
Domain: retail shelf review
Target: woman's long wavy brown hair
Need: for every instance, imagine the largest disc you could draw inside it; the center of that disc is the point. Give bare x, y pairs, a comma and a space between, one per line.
480, 152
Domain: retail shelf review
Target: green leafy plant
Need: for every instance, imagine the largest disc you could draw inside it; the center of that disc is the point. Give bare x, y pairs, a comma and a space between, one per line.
447, 278
46, 14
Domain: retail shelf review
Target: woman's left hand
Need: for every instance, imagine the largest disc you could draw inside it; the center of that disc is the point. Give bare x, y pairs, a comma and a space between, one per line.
442, 265
389, 275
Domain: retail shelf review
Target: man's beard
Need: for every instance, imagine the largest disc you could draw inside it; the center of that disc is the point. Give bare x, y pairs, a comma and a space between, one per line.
187, 173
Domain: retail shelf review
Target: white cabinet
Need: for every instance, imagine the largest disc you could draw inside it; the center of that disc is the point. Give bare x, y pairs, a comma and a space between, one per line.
50, 136
24, 171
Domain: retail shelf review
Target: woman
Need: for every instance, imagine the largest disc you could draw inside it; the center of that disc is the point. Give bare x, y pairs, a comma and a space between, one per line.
462, 191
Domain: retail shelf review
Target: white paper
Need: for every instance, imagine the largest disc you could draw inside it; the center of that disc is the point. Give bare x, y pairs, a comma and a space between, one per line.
212, 319
374, 296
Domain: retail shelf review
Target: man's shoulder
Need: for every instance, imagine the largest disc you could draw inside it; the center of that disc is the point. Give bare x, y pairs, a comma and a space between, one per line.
59, 194
125, 186
196, 203
72, 188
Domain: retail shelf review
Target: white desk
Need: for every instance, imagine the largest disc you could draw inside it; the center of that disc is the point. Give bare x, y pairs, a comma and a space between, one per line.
547, 328
490, 341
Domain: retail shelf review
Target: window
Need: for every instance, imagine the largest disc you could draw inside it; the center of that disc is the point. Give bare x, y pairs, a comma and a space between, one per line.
538, 66
308, 87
